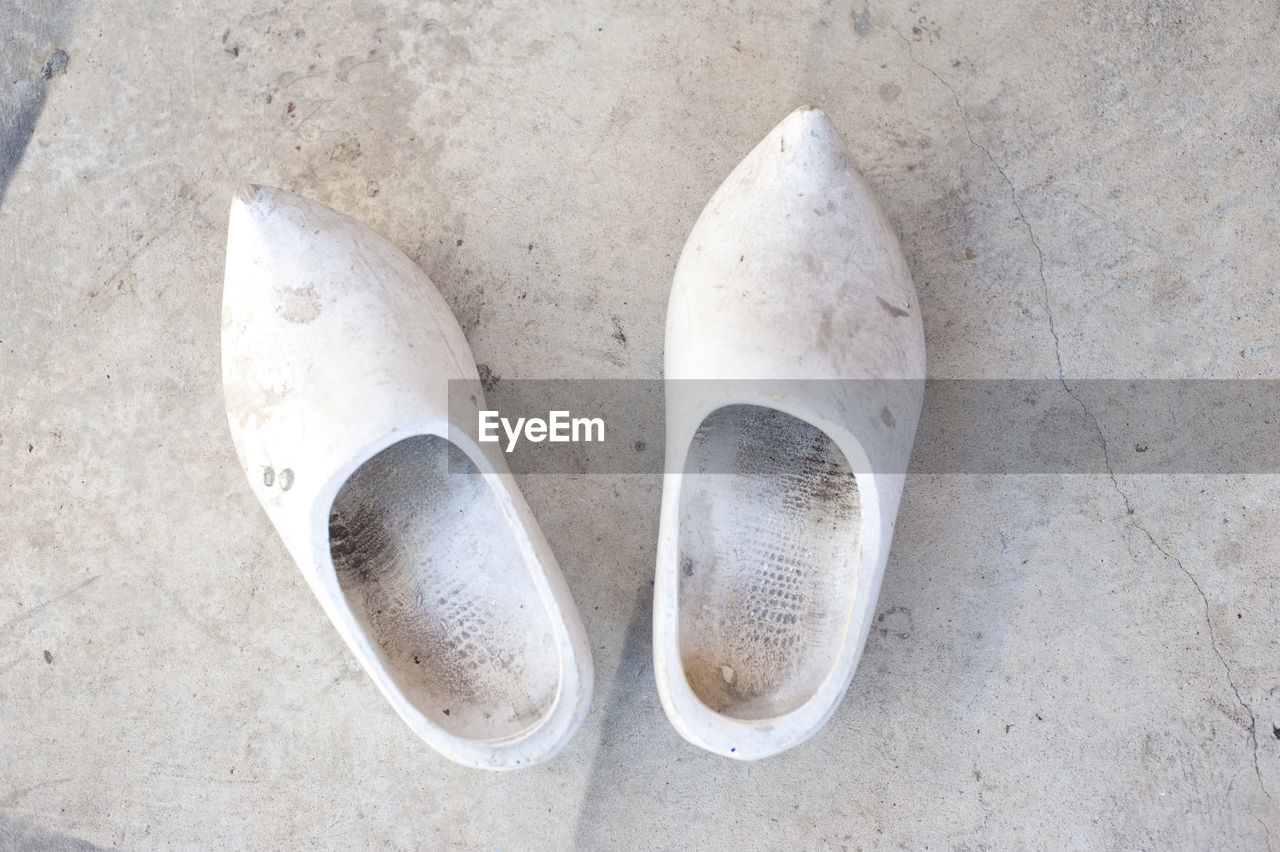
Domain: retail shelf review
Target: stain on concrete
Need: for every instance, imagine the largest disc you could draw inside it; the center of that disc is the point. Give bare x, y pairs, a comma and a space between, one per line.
345, 152
895, 621
55, 65
862, 21
469, 305
926, 30
488, 379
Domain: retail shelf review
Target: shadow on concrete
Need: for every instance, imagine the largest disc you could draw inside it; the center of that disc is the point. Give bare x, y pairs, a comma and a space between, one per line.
624, 721
20, 836
32, 57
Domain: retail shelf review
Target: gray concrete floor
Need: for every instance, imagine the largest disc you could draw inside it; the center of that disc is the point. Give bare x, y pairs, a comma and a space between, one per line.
1086, 189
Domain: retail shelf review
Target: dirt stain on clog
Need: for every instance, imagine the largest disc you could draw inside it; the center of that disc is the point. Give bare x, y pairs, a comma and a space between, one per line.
298, 306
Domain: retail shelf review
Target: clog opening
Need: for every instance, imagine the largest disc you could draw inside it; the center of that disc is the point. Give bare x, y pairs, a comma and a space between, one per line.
429, 567
769, 548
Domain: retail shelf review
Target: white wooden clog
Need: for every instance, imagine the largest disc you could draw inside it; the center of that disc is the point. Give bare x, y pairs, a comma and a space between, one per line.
337, 352
794, 365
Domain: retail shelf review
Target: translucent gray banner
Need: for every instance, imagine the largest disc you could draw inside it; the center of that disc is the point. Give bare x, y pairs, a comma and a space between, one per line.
965, 426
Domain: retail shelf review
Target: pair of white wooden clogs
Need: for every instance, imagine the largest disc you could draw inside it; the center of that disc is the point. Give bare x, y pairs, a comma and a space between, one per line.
337, 352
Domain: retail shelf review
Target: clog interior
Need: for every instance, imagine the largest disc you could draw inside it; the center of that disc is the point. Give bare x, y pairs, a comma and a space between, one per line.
768, 552
428, 564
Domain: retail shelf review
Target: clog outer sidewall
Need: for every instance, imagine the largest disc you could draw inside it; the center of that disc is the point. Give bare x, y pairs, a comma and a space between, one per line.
403, 394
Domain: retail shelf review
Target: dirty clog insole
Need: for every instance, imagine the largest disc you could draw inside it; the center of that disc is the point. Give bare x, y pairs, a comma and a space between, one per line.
769, 549
428, 565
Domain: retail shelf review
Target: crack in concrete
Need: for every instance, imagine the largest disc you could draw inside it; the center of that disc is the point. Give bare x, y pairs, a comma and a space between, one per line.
1013, 196
1130, 512
21, 617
